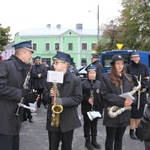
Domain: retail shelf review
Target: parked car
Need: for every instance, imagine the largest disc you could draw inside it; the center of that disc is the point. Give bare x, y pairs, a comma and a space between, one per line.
82, 72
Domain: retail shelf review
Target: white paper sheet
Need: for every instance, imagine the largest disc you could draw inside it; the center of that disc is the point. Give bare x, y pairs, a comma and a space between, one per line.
93, 114
24, 106
55, 76
127, 96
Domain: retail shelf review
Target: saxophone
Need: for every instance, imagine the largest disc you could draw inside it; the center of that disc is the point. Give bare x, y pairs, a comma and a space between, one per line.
114, 111
56, 109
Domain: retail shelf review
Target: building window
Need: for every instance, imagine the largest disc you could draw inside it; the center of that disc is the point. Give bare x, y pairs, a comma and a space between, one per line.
47, 46
93, 46
84, 46
34, 46
70, 46
83, 62
57, 46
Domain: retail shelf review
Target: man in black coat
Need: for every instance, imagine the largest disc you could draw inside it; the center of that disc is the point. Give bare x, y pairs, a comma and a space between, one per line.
144, 127
13, 86
99, 71
70, 96
38, 76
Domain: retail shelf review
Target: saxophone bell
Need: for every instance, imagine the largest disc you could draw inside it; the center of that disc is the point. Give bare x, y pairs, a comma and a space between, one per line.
56, 109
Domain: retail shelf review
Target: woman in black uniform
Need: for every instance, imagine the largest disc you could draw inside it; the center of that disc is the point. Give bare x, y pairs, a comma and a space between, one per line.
113, 84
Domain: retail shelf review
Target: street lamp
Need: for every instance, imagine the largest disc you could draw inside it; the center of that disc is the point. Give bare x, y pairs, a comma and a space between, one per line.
97, 24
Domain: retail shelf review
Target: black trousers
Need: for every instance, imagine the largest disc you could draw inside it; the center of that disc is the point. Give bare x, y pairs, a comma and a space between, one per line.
9, 142
40, 92
27, 113
56, 136
89, 127
114, 138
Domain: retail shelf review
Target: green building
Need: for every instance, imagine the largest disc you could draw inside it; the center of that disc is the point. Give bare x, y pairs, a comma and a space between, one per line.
47, 41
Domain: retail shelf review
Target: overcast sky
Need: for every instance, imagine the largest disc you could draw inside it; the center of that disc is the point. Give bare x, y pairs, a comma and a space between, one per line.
24, 14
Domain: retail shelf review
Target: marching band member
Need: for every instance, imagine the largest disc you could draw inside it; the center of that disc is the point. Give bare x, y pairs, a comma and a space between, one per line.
113, 84
12, 80
140, 70
70, 96
91, 101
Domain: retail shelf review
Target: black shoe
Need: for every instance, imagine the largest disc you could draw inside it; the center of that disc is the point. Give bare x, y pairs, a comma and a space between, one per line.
133, 135
88, 145
96, 145
31, 120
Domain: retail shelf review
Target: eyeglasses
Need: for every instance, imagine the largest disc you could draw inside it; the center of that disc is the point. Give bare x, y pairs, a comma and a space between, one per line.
56, 63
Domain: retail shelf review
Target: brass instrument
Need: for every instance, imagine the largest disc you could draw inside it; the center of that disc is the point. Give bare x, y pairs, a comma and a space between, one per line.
25, 86
114, 111
56, 109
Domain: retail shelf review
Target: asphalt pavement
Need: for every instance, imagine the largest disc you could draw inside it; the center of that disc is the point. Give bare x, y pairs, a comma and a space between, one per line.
34, 136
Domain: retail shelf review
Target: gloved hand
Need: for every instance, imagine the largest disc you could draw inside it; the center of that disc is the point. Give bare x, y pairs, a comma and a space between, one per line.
29, 96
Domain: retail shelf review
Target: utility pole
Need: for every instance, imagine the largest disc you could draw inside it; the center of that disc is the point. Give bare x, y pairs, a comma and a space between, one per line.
97, 24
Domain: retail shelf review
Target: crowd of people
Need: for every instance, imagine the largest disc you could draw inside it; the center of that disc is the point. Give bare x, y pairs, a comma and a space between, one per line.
100, 97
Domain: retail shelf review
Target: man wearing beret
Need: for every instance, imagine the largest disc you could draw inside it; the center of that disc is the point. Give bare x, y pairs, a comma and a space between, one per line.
13, 88
38, 75
99, 71
70, 96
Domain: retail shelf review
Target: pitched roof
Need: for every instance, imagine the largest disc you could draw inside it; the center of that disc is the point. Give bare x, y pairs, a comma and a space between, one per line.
56, 31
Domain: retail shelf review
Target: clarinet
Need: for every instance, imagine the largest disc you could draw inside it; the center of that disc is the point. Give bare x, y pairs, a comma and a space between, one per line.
91, 92
25, 86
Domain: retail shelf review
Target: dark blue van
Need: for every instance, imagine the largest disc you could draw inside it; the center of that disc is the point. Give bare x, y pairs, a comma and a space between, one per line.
105, 57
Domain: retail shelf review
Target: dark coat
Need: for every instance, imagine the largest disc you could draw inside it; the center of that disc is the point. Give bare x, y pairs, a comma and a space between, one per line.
110, 94
137, 70
71, 95
144, 126
12, 77
99, 70
38, 83
86, 88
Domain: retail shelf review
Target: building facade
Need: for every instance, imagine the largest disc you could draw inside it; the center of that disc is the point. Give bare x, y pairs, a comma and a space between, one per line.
78, 42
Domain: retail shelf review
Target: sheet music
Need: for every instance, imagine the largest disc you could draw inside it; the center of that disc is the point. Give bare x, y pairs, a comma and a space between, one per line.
55, 76
93, 114
127, 96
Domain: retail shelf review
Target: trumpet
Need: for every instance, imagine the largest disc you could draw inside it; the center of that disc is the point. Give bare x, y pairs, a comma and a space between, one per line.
56, 109
114, 111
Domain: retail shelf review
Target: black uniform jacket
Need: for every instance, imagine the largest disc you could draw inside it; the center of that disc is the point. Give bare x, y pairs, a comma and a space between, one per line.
38, 83
99, 70
144, 125
11, 85
110, 94
86, 87
71, 95
137, 70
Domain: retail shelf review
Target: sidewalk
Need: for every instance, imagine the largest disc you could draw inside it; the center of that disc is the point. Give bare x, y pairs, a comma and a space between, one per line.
34, 136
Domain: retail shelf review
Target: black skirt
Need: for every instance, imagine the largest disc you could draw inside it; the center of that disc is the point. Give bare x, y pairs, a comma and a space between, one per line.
137, 114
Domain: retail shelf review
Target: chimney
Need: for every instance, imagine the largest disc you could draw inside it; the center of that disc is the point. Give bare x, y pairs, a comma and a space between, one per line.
79, 26
48, 25
58, 26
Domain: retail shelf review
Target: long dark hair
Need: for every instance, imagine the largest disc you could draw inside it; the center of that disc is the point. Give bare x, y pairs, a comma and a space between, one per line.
115, 77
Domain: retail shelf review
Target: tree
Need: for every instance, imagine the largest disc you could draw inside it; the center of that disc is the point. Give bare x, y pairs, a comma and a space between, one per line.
132, 28
4, 37
135, 24
110, 36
